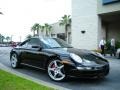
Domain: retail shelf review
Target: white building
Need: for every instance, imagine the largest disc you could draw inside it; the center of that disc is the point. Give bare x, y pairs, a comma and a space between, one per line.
94, 19
59, 31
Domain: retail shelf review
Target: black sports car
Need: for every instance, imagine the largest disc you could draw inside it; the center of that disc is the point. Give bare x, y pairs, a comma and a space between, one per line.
59, 59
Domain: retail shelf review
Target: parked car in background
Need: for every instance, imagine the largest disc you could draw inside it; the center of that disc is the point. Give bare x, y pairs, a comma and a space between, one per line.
59, 59
13, 44
3, 45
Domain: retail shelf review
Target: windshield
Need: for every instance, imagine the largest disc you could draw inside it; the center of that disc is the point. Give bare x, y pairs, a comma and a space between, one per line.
54, 43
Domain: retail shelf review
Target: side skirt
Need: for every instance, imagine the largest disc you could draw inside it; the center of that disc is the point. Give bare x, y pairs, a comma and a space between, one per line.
32, 66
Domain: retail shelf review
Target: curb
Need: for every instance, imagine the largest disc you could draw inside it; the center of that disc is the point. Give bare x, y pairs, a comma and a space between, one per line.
56, 87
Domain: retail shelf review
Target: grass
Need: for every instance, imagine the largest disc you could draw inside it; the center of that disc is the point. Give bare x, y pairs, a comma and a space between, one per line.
12, 82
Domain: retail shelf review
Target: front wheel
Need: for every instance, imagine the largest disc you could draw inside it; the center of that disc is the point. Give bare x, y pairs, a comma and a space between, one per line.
56, 70
14, 61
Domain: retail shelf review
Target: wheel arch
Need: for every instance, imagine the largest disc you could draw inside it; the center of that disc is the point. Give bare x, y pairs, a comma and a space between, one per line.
50, 58
14, 52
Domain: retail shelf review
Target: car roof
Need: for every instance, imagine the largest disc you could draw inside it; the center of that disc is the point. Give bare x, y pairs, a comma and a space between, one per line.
43, 37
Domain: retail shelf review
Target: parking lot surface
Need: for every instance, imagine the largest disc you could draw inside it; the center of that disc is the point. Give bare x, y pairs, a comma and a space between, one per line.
110, 82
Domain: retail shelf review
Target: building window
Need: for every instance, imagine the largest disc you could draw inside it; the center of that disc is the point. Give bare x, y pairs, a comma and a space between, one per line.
53, 35
61, 36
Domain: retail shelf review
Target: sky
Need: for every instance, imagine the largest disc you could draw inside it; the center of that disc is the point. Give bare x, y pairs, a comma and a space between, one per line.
19, 15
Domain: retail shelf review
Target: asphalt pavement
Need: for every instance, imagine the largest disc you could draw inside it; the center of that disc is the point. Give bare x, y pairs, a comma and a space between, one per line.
110, 82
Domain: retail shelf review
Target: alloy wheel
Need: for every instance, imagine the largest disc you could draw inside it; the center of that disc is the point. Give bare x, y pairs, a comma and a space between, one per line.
14, 60
56, 70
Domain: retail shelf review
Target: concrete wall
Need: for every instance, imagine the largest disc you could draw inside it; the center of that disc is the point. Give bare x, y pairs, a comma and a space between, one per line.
57, 28
85, 18
101, 31
108, 8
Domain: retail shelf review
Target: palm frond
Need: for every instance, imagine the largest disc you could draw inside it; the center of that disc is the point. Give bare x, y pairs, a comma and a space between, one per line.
66, 20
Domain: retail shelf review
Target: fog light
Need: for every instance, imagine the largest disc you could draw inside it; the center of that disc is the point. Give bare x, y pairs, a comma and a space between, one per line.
88, 68
80, 68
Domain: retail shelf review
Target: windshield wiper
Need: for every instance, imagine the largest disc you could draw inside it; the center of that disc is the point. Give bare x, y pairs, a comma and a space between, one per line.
69, 47
62, 47
56, 47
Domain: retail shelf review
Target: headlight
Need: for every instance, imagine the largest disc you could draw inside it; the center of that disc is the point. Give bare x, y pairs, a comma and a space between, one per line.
76, 58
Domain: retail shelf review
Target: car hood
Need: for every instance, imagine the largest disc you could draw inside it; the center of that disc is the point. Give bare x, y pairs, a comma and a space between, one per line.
87, 55
67, 51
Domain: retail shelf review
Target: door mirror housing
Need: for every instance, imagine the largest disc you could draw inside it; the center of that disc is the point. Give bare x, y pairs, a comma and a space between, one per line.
37, 47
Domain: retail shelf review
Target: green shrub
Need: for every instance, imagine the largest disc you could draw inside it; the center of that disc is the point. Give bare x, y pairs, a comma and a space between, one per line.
117, 44
108, 46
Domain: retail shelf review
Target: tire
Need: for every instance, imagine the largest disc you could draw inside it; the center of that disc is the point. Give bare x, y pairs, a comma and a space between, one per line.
14, 61
56, 71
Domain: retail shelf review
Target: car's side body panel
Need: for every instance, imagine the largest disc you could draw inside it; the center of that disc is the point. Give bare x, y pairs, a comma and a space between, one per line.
35, 58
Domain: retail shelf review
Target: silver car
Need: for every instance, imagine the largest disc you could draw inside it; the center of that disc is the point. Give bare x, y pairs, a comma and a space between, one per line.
118, 53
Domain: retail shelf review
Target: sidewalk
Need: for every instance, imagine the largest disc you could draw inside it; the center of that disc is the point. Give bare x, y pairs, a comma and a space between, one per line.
109, 56
10, 70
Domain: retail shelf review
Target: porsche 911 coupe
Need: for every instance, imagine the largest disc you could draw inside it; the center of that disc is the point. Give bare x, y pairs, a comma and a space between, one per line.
59, 59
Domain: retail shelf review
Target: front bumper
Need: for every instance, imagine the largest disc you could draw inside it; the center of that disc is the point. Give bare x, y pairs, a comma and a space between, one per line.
92, 72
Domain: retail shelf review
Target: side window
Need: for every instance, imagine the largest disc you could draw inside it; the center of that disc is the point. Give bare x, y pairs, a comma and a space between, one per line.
34, 41
24, 44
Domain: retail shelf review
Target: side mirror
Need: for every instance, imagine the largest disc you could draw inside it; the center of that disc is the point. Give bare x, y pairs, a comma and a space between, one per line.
37, 47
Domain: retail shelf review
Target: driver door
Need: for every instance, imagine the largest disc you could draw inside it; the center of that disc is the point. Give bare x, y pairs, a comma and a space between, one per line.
35, 56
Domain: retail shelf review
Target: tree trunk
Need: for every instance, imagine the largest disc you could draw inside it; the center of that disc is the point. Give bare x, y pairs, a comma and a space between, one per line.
33, 33
37, 32
46, 32
66, 32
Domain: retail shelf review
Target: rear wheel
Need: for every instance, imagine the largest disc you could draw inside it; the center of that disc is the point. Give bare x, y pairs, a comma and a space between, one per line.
56, 70
14, 61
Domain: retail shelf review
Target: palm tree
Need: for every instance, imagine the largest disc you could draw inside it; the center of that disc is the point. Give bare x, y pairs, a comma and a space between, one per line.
2, 38
36, 27
7, 38
47, 28
66, 22
42, 29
